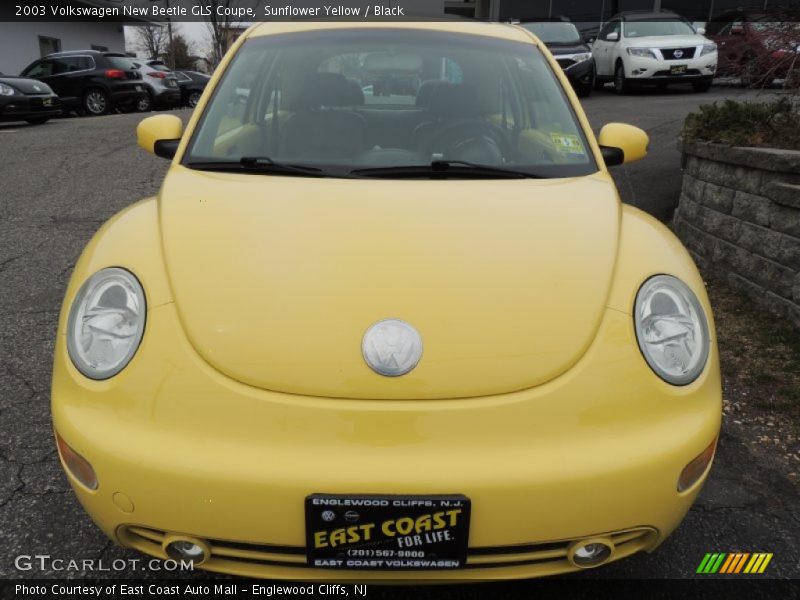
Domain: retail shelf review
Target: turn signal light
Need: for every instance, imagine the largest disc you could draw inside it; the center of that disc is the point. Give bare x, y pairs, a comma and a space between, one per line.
694, 470
78, 466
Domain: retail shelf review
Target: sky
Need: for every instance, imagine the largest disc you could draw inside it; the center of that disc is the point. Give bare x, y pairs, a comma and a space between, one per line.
195, 33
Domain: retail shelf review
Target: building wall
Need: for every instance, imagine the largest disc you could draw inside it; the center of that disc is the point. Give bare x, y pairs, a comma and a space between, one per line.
19, 42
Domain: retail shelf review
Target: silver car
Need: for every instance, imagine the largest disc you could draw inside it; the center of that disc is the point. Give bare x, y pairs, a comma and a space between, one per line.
162, 85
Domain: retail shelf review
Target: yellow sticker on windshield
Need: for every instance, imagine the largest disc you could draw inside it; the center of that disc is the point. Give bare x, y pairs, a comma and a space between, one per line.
567, 143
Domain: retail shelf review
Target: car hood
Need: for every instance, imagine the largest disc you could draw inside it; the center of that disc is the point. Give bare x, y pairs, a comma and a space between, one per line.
667, 41
276, 279
27, 85
560, 49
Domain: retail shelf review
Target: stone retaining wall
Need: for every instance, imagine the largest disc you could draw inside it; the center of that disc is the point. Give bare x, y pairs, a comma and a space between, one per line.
739, 216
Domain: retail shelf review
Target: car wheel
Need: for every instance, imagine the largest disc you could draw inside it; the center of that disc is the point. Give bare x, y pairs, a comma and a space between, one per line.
621, 85
39, 121
599, 84
194, 98
584, 90
145, 104
96, 102
749, 72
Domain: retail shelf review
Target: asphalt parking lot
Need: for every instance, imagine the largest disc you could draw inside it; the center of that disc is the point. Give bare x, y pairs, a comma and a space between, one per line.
59, 182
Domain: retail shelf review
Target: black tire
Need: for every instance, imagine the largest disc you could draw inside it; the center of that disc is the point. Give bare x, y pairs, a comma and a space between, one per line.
38, 121
748, 73
621, 85
701, 86
599, 84
584, 90
144, 104
96, 102
193, 99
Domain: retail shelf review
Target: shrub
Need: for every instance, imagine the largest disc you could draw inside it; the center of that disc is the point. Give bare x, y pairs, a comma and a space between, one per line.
774, 124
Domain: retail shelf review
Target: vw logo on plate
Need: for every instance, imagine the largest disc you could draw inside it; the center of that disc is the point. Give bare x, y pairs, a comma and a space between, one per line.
677, 53
391, 347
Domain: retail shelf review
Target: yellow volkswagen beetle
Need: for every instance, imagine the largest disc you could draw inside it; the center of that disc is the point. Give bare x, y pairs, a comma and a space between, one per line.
387, 319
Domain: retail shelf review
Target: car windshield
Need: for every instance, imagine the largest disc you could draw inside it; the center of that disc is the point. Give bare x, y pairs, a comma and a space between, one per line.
346, 100
637, 29
554, 33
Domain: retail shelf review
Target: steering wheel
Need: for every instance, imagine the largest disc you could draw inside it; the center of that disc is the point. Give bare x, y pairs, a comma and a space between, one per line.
473, 140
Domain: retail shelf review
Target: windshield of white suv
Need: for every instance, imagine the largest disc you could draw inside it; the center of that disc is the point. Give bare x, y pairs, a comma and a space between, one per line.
637, 29
554, 33
342, 101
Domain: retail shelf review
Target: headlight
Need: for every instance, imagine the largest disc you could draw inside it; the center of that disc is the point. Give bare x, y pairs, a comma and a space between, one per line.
671, 329
583, 56
106, 323
643, 52
6, 90
708, 49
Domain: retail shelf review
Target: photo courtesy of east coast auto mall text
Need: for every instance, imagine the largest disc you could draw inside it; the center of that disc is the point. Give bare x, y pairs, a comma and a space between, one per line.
399, 299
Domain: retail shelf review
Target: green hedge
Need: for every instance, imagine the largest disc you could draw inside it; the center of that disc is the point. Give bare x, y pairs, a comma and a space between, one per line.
774, 124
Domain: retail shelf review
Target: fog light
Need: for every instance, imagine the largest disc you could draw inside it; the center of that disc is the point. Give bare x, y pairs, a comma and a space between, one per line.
186, 549
77, 466
590, 553
694, 470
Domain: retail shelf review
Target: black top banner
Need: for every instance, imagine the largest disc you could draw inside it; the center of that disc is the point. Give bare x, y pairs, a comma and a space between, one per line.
236, 11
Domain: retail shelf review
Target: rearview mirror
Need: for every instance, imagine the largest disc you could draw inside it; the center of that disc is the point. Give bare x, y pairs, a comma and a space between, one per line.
613, 36
160, 135
621, 143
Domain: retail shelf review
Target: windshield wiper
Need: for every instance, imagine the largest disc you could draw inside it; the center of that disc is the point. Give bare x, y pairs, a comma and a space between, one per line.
258, 164
446, 168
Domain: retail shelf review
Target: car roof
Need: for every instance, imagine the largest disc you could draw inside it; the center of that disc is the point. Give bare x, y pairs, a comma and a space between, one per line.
92, 52
649, 15
504, 31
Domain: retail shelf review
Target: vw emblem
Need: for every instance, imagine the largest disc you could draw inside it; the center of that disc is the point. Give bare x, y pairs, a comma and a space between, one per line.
328, 516
391, 347
677, 53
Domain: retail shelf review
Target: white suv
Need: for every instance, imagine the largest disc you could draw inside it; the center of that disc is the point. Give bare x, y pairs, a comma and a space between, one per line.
656, 48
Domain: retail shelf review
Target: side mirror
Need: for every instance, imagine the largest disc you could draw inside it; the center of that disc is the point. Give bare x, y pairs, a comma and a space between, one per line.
737, 30
701, 30
621, 143
160, 135
612, 37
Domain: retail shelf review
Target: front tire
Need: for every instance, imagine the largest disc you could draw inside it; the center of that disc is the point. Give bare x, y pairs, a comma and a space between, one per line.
621, 85
96, 102
194, 99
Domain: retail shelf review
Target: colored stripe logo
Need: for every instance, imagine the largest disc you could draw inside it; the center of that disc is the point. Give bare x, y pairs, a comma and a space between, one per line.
732, 563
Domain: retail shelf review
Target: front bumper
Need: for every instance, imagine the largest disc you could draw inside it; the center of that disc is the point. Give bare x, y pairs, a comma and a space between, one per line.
179, 448
644, 70
582, 72
20, 108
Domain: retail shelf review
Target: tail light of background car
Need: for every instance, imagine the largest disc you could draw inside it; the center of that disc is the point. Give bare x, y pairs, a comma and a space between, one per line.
157, 74
115, 73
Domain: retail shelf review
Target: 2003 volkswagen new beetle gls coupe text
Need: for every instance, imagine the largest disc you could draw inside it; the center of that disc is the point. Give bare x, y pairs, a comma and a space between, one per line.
412, 335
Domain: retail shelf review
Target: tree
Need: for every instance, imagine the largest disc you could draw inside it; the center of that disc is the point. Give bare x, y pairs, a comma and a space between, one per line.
152, 39
222, 30
177, 54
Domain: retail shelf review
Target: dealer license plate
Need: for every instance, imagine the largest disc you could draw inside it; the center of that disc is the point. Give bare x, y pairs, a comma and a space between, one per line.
374, 532
677, 69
